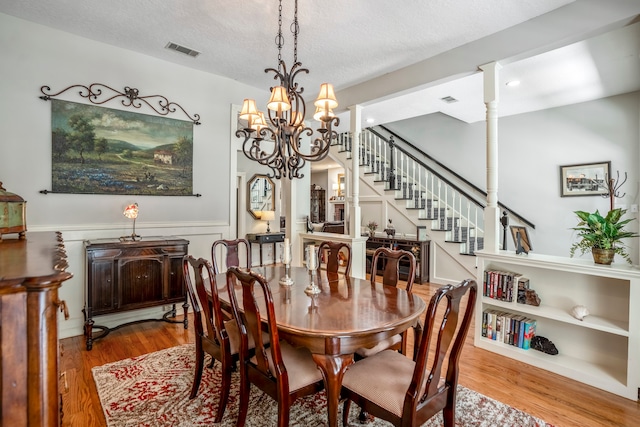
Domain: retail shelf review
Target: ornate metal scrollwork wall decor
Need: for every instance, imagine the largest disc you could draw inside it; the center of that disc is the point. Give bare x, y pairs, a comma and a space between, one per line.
94, 93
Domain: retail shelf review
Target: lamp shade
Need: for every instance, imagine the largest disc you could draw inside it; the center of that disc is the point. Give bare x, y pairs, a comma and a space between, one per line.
268, 215
279, 100
326, 97
258, 122
249, 110
131, 211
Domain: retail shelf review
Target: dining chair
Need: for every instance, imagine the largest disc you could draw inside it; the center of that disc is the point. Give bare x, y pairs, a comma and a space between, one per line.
405, 392
219, 338
280, 370
335, 252
231, 252
392, 259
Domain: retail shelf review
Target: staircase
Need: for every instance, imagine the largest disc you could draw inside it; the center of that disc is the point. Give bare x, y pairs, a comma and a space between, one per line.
454, 217
426, 196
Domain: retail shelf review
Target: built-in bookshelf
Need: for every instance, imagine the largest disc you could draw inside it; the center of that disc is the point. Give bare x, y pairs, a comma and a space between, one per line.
603, 349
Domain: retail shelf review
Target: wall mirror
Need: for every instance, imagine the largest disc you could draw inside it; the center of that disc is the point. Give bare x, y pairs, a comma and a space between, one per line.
260, 198
341, 185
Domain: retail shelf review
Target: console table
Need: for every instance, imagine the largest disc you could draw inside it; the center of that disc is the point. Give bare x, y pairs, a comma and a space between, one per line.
129, 275
262, 238
419, 248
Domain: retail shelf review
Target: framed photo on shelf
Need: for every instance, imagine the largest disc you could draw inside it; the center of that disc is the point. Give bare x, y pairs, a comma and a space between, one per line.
588, 179
521, 239
421, 233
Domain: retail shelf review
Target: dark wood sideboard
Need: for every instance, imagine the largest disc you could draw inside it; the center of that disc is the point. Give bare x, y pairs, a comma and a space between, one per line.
130, 275
31, 272
419, 248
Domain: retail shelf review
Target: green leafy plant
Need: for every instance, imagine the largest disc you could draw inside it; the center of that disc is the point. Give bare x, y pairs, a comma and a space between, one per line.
596, 231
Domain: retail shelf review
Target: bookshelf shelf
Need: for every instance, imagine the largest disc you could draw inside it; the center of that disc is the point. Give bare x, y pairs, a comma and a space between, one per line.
602, 350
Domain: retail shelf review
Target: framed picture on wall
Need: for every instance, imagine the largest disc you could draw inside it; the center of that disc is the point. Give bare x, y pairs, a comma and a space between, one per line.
588, 179
521, 239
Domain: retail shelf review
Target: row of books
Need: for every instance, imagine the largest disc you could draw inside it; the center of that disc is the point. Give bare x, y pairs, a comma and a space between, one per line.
500, 285
509, 328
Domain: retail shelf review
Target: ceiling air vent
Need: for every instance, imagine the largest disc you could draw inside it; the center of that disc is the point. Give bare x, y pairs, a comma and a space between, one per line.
449, 99
173, 46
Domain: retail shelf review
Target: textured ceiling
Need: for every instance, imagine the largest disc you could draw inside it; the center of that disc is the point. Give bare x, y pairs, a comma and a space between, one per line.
372, 50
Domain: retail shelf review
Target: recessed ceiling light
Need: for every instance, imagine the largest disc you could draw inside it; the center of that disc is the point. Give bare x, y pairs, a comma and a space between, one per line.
370, 120
449, 99
513, 83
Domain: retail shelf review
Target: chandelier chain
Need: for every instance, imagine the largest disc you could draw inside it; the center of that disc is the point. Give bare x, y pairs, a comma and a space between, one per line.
279, 37
295, 29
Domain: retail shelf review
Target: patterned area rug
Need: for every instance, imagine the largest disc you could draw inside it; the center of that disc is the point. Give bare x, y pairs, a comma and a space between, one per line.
153, 390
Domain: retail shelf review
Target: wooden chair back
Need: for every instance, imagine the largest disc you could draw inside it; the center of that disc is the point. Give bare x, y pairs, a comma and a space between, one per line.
267, 368
231, 253
211, 334
334, 251
434, 375
391, 270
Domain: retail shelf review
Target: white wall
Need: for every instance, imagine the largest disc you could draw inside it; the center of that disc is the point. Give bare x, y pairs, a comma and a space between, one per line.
33, 56
532, 147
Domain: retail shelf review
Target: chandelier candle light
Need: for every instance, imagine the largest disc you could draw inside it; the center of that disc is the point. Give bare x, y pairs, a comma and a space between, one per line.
277, 144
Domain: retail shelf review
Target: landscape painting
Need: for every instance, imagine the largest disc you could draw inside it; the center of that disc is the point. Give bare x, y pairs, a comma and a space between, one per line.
97, 150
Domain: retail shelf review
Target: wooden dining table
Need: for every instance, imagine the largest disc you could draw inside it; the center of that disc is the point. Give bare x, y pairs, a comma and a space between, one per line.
346, 315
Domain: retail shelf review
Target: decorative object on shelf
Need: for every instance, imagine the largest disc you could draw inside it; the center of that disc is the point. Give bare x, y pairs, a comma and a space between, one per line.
131, 212
544, 345
585, 179
523, 285
286, 111
521, 239
286, 261
390, 230
602, 235
268, 216
531, 297
131, 98
613, 189
372, 226
579, 312
13, 214
415, 250
309, 225
311, 255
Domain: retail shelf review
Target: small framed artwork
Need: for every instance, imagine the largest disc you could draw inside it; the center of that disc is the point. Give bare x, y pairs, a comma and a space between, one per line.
588, 179
521, 239
421, 233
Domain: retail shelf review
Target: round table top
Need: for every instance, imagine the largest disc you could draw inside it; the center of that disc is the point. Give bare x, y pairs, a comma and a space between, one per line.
348, 309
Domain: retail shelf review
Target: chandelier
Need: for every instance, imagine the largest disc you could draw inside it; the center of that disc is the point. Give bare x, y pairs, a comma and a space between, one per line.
275, 139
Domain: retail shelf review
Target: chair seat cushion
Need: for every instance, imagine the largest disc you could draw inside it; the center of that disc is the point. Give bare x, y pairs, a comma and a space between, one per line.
382, 379
234, 337
382, 345
301, 368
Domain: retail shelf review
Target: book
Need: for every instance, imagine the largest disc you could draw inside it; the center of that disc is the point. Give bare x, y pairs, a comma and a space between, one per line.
529, 332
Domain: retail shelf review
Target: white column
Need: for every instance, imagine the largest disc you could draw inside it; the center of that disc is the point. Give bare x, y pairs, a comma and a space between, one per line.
354, 179
492, 212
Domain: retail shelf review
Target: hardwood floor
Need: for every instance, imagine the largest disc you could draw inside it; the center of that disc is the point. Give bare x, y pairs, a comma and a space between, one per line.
556, 399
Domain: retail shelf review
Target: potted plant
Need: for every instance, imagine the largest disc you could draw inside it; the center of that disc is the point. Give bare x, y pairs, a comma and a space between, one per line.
602, 235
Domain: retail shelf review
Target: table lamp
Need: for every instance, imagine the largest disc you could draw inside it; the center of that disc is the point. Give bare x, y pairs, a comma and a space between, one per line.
131, 212
268, 216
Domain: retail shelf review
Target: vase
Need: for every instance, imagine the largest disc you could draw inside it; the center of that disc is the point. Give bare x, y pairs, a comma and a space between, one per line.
603, 256
372, 233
